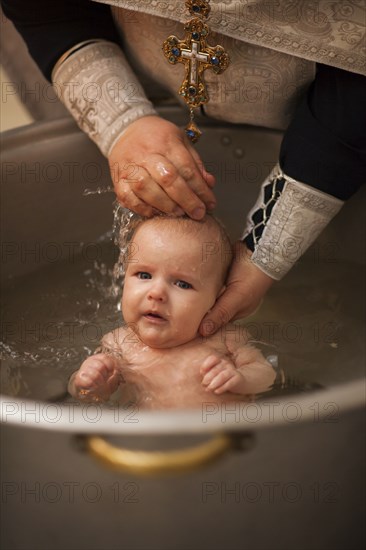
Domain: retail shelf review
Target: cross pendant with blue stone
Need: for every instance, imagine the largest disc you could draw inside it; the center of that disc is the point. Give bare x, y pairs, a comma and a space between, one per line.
194, 52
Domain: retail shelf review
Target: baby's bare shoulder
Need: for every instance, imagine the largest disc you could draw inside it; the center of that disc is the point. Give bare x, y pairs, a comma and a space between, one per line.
235, 336
117, 340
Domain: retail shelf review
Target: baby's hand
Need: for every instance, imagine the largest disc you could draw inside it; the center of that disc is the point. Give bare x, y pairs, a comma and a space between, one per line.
220, 375
97, 378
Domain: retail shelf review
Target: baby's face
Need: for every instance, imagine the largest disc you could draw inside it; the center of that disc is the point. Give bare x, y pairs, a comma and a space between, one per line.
169, 286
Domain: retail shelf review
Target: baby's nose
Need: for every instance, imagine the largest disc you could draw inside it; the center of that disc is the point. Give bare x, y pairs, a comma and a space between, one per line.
157, 291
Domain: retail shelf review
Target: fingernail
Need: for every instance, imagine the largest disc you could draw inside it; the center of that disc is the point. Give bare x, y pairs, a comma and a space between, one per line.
198, 213
211, 206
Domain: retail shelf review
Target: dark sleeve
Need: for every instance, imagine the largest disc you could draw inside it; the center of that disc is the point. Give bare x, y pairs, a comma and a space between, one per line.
51, 27
325, 144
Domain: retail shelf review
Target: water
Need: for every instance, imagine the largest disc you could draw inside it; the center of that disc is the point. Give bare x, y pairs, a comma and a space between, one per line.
312, 323
316, 318
52, 320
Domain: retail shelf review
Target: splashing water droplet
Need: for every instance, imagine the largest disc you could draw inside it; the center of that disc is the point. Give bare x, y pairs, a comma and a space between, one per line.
97, 191
124, 224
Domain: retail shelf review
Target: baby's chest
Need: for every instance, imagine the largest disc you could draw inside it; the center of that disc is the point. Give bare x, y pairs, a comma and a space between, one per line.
195, 355
181, 361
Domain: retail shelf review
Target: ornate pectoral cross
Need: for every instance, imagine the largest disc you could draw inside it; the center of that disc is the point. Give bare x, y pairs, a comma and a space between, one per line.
194, 52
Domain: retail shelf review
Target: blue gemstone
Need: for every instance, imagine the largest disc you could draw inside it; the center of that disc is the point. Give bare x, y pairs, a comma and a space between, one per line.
214, 61
190, 133
196, 8
176, 52
195, 35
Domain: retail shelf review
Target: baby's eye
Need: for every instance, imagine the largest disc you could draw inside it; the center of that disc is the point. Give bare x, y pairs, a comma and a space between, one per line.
183, 284
143, 275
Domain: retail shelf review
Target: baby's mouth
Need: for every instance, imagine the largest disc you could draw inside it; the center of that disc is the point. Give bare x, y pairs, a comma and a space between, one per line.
154, 316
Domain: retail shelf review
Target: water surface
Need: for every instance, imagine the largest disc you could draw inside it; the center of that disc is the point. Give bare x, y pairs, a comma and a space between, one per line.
313, 322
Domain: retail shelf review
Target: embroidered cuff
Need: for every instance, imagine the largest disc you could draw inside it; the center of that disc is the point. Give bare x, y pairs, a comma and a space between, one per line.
98, 87
286, 219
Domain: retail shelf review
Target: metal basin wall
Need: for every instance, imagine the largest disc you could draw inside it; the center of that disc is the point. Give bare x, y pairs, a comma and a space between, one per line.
297, 481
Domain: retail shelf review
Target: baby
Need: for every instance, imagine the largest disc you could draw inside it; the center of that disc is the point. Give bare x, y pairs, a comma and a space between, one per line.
175, 271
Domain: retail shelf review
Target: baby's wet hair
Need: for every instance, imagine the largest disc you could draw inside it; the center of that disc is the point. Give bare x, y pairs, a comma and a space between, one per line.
216, 245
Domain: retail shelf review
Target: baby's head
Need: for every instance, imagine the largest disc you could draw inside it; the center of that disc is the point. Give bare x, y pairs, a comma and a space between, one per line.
175, 270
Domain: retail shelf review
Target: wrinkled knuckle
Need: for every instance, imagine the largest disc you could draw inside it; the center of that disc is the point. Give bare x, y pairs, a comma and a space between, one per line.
139, 185
187, 172
168, 178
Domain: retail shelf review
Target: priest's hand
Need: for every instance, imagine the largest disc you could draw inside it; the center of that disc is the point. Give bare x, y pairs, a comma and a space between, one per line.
246, 286
155, 168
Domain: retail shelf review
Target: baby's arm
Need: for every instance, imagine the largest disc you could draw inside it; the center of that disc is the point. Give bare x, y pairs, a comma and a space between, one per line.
99, 376
244, 370
97, 379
